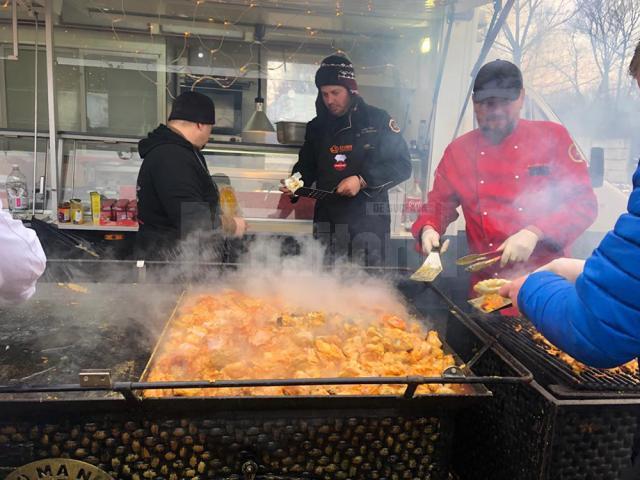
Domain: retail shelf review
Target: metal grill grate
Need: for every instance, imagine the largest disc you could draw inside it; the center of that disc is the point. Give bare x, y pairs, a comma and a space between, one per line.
517, 335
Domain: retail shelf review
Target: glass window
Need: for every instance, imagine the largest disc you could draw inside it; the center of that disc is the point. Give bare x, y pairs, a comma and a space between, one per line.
119, 98
19, 89
291, 96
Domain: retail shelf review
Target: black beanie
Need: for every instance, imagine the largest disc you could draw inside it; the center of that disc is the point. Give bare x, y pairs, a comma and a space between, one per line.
193, 107
337, 70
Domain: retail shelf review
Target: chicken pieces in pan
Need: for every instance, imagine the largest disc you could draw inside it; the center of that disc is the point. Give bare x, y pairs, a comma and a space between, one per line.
231, 335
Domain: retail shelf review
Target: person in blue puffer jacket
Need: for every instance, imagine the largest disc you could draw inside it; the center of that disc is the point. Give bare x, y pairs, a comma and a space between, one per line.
591, 309
597, 319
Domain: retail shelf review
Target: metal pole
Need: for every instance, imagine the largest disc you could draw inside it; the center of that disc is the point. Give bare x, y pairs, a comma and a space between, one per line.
53, 151
14, 24
35, 119
500, 16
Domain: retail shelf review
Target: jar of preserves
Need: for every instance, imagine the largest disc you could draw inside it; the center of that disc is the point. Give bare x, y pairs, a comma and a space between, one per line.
77, 214
64, 212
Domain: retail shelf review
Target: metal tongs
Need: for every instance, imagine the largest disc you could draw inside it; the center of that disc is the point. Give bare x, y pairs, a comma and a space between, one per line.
479, 261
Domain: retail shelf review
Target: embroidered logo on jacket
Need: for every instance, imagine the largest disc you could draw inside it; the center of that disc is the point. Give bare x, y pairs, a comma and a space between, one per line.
340, 162
340, 148
575, 154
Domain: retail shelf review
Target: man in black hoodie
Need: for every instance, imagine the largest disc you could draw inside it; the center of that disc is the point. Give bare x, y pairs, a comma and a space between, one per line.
178, 201
358, 151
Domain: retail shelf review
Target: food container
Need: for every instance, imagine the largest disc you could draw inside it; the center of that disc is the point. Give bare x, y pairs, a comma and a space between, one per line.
96, 208
120, 209
64, 212
76, 210
106, 210
291, 133
132, 210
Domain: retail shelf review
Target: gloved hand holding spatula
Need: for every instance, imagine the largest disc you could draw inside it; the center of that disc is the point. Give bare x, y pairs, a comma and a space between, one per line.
432, 265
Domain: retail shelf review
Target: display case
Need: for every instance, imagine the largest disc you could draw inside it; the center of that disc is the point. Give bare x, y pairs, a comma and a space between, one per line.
110, 165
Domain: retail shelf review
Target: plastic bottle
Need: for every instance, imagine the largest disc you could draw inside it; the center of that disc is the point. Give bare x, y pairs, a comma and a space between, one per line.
229, 202
17, 194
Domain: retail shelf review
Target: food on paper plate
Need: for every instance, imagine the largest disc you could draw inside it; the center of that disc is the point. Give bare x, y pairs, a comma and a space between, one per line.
294, 182
490, 302
491, 285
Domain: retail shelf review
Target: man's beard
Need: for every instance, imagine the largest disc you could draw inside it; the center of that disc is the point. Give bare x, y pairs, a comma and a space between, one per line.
342, 113
497, 135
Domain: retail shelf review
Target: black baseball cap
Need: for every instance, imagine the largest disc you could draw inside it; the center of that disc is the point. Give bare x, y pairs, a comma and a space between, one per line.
193, 107
499, 79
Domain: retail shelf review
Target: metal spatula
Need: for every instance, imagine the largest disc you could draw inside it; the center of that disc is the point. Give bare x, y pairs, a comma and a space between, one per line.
430, 269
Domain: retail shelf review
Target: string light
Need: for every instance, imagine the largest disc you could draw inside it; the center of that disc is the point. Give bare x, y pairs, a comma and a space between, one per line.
425, 45
228, 81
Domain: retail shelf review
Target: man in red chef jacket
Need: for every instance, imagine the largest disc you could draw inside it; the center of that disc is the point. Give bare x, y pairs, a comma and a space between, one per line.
523, 185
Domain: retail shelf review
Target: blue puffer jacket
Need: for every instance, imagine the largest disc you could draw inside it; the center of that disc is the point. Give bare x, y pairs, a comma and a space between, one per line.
597, 320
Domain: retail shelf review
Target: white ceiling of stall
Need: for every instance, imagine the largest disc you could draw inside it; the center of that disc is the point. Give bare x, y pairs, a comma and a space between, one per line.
369, 17
285, 19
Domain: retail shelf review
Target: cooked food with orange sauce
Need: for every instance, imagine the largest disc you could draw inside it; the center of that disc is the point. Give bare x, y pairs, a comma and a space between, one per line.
231, 335
492, 302
630, 368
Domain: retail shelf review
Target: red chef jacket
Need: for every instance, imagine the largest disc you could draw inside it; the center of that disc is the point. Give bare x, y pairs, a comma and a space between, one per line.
534, 177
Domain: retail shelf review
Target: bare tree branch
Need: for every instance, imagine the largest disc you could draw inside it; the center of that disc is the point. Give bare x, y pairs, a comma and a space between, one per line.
611, 26
530, 22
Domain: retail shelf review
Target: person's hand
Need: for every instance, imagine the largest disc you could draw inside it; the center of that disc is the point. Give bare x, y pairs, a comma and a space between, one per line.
430, 239
233, 226
518, 247
512, 289
284, 189
569, 268
241, 227
349, 187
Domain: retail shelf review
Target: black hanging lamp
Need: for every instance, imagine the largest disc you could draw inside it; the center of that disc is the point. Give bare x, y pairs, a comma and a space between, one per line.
259, 122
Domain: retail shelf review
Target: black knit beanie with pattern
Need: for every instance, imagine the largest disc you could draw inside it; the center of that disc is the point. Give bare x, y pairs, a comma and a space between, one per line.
337, 70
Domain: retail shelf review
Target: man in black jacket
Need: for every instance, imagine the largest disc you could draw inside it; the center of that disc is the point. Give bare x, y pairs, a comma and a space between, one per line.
358, 151
178, 202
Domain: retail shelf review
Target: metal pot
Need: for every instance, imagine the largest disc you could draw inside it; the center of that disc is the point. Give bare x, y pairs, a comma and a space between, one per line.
291, 133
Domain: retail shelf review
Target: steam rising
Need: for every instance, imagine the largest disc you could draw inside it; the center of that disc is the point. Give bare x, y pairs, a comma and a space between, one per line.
306, 283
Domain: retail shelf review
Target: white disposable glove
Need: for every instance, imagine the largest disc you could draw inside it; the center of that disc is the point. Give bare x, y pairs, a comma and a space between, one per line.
518, 247
430, 239
569, 268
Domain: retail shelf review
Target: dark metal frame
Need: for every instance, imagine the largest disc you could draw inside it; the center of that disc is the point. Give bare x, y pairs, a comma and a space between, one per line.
127, 389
